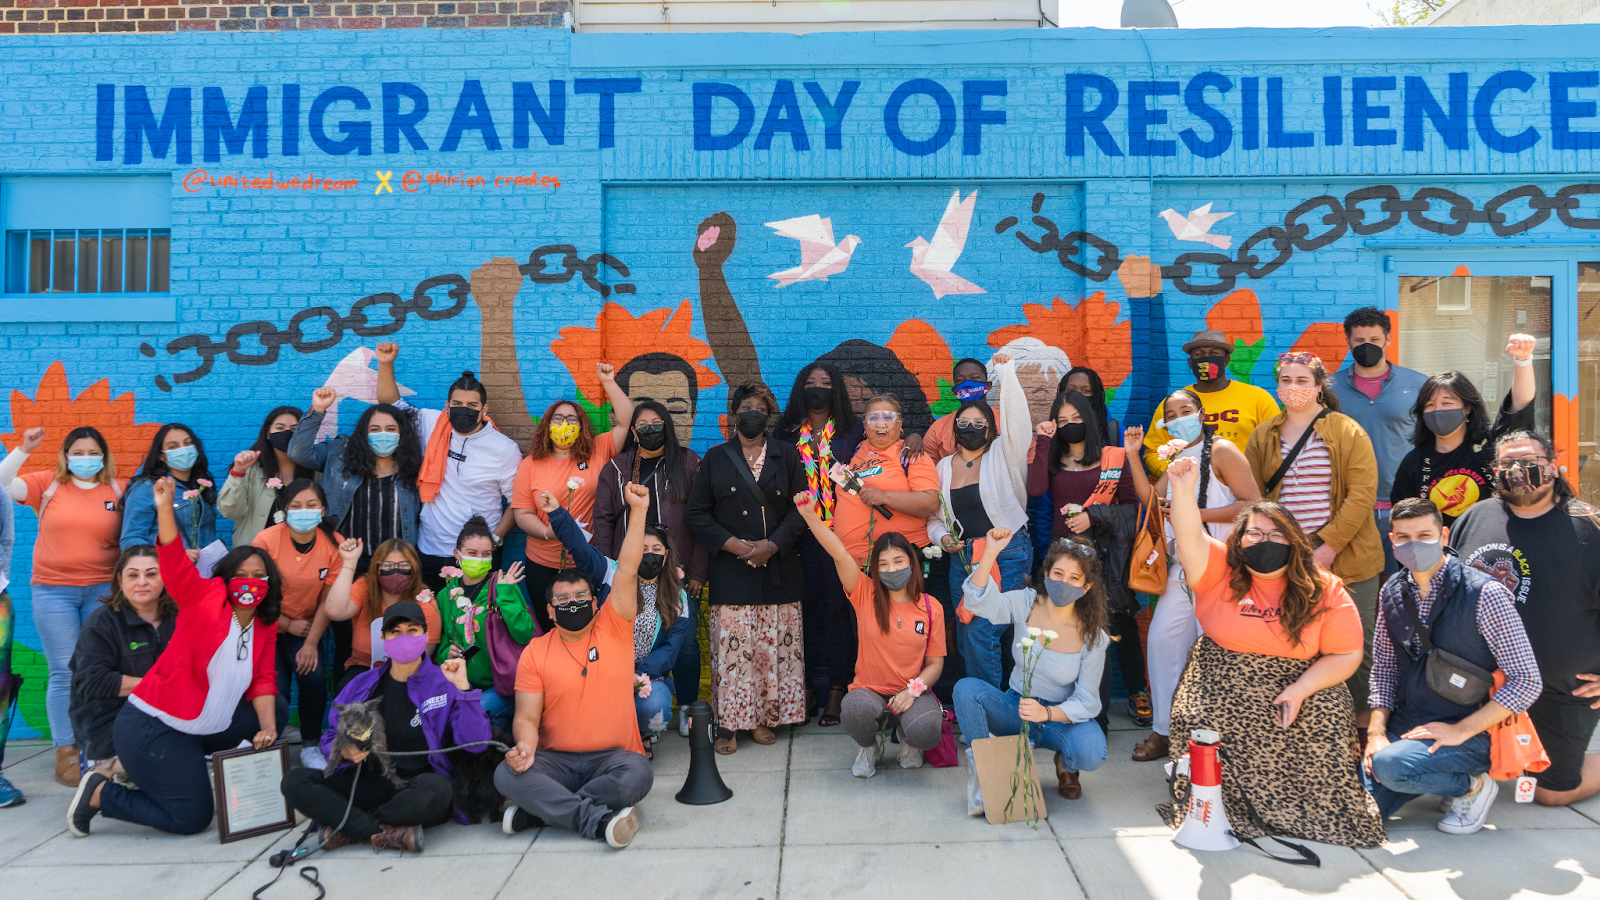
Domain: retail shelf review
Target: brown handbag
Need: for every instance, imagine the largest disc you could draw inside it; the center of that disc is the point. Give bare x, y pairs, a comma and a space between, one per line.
1147, 565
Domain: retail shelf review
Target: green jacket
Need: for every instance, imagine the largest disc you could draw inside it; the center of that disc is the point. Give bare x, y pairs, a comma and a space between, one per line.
519, 622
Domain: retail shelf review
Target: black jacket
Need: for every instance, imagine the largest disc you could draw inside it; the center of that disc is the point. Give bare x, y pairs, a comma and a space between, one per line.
722, 504
113, 643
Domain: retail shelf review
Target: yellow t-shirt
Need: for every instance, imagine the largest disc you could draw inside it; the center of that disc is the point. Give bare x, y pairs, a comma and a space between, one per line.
1234, 411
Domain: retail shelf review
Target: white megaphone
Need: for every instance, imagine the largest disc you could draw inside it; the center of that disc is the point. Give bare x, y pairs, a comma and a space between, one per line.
1205, 826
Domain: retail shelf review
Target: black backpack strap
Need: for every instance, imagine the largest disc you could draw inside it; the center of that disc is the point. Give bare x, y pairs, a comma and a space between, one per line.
1307, 857
1288, 461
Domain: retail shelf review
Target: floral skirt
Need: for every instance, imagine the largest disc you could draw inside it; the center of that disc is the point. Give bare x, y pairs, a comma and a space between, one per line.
1302, 780
757, 666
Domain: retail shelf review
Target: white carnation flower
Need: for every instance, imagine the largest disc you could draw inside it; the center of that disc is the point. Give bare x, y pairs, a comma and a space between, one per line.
1034, 632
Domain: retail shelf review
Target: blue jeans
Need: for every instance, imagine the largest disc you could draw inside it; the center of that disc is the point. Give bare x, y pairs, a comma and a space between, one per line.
59, 612
986, 711
313, 685
499, 709
1405, 769
654, 710
686, 671
982, 643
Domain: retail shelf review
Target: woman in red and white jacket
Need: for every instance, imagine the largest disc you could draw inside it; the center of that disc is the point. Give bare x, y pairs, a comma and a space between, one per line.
214, 686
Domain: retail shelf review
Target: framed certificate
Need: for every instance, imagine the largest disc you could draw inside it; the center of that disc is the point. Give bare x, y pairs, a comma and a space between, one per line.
247, 784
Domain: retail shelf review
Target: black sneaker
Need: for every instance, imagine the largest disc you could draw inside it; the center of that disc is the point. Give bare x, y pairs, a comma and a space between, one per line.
79, 812
517, 820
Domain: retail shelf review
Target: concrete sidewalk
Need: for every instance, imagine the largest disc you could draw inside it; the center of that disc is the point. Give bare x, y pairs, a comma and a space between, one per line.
799, 826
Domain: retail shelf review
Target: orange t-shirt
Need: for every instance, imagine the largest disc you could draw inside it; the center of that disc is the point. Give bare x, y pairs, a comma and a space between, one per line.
304, 574
575, 720
552, 474
881, 469
361, 625
1251, 625
885, 662
80, 535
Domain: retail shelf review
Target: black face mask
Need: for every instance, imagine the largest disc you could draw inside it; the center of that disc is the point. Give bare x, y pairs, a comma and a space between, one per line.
818, 398
1367, 355
650, 566
280, 440
1444, 421
651, 440
575, 616
1266, 557
972, 438
464, 419
1073, 433
1209, 368
752, 423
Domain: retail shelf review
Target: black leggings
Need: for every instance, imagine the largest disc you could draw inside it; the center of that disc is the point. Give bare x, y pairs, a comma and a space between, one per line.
169, 767
1130, 661
424, 799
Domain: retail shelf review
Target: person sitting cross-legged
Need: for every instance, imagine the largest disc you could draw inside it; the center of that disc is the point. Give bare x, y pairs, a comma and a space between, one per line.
578, 762
1420, 742
424, 707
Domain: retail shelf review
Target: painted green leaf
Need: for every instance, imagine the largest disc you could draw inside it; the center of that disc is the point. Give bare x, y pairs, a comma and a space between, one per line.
947, 402
1243, 363
599, 416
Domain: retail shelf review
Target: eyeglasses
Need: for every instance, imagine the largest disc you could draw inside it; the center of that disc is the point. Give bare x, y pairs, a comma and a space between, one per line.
882, 417
403, 569
650, 428
971, 425
244, 641
1299, 359
1521, 462
1083, 550
564, 420
580, 597
1256, 536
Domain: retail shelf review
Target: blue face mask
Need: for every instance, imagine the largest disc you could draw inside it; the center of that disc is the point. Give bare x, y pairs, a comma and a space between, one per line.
1186, 428
971, 390
182, 459
85, 467
383, 443
303, 520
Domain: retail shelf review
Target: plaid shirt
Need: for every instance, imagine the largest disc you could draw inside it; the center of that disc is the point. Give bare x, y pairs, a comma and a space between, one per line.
1499, 624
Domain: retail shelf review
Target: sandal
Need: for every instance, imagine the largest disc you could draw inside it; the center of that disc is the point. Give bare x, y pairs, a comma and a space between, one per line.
727, 742
1156, 746
830, 714
763, 735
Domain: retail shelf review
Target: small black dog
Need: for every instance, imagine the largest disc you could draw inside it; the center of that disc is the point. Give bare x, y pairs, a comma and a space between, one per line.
472, 778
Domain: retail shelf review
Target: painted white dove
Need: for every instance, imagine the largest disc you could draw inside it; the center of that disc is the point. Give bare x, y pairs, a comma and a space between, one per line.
819, 255
932, 260
1197, 225
355, 378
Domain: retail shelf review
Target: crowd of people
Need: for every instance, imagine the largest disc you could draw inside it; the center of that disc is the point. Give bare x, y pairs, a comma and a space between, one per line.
1352, 581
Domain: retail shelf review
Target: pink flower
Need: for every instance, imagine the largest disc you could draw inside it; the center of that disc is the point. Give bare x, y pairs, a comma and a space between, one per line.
449, 572
1071, 509
190, 495
1171, 448
425, 596
203, 482
642, 683
275, 484
916, 687
679, 570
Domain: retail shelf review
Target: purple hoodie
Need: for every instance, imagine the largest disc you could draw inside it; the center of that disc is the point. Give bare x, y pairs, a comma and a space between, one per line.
440, 705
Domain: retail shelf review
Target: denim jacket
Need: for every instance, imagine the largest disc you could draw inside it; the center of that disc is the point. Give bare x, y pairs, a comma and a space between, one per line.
327, 457
197, 519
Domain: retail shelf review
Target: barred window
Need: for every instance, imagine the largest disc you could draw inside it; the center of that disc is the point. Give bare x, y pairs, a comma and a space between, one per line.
88, 261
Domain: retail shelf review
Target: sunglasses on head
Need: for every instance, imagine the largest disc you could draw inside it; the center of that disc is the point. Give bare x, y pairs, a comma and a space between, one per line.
1298, 359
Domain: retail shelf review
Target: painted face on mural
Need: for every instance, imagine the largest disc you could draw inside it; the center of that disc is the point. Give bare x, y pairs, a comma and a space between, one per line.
671, 389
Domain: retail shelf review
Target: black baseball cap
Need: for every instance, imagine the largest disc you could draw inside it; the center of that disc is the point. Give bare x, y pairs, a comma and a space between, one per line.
403, 611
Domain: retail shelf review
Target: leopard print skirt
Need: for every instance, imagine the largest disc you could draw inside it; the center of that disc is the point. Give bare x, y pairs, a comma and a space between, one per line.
1302, 780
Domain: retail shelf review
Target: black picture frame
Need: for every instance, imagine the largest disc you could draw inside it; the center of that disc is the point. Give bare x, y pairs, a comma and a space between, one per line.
258, 770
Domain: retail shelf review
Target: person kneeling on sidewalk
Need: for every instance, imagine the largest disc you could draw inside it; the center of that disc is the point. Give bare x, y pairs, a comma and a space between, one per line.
424, 707
1419, 741
578, 762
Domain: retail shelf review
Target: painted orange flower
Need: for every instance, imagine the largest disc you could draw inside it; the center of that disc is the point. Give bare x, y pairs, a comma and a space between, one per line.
1326, 340
924, 354
1238, 316
618, 337
1089, 333
55, 410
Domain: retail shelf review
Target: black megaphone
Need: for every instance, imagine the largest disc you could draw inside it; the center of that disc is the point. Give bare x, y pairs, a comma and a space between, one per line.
704, 785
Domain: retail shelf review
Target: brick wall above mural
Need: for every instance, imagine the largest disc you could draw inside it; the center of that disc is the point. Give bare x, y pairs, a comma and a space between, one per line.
157, 16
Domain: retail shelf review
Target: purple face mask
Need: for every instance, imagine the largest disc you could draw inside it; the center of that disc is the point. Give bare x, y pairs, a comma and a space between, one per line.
405, 648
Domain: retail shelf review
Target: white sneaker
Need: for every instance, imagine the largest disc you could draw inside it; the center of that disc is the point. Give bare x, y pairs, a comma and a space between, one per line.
1468, 813
311, 757
910, 757
683, 723
974, 792
866, 764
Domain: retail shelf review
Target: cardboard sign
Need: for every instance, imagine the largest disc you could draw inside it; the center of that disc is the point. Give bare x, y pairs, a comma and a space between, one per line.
996, 759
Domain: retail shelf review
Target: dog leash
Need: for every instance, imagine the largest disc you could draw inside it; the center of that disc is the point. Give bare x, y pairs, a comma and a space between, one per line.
283, 858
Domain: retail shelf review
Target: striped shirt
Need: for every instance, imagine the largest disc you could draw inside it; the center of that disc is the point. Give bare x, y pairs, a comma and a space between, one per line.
1498, 622
1305, 488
